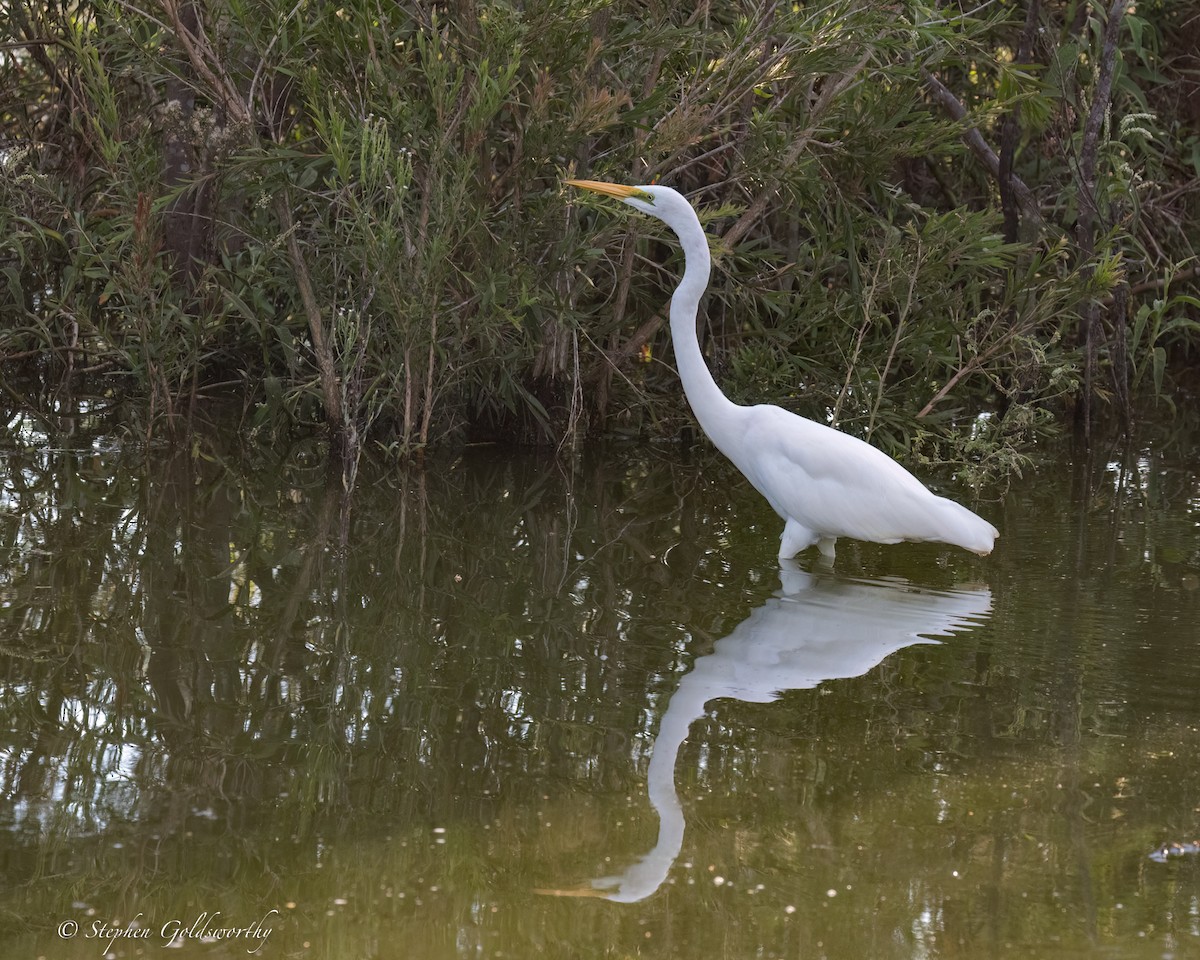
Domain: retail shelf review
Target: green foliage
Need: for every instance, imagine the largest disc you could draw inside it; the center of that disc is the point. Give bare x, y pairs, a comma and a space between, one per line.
354, 214
1162, 324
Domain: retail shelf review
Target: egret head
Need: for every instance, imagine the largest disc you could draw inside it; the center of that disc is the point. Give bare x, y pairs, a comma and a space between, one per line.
666, 204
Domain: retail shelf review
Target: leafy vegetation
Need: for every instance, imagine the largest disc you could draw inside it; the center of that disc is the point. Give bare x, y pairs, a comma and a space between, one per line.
354, 214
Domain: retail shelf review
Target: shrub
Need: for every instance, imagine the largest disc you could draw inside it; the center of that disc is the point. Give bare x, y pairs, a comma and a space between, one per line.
354, 214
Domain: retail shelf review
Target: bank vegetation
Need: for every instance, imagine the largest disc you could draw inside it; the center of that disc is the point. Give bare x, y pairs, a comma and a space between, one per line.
949, 227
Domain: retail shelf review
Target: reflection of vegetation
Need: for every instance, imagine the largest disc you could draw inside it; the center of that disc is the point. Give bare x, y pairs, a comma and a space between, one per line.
222, 620
353, 214
225, 686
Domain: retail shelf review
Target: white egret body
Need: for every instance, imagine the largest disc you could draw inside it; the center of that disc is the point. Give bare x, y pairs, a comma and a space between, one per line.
823, 483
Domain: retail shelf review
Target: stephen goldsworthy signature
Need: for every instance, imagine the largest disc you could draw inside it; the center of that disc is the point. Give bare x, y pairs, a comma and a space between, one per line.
205, 927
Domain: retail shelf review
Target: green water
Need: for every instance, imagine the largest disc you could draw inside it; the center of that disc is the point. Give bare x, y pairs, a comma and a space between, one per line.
508, 706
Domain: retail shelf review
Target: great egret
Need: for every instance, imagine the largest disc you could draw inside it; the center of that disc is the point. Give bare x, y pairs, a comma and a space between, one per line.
823, 483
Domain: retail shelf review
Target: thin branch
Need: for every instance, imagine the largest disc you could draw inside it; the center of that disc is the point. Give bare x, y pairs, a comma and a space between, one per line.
262, 60
22, 44
832, 88
205, 62
978, 145
1159, 283
36, 48
330, 388
1010, 132
969, 367
1089, 209
1096, 114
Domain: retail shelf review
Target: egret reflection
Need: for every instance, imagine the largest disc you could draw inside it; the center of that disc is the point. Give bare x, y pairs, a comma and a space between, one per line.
818, 627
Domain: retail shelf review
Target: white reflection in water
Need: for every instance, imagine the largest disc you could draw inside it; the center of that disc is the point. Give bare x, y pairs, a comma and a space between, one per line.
818, 627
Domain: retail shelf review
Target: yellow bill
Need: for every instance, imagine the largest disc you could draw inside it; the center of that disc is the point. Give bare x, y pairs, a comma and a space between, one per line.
618, 190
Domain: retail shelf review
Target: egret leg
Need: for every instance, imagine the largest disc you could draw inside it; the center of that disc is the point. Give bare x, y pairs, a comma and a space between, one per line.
827, 546
795, 538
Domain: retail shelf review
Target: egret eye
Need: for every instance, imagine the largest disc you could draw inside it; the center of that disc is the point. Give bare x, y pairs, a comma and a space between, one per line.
643, 196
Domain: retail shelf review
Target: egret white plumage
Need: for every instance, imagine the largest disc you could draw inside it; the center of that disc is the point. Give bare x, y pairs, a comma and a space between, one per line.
824, 483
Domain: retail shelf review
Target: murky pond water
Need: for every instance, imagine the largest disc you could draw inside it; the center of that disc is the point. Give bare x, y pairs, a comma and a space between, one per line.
504, 707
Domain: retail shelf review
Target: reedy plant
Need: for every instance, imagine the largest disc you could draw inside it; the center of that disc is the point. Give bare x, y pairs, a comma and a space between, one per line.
354, 213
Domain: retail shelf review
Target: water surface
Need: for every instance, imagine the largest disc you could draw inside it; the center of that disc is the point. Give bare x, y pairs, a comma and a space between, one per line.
507, 706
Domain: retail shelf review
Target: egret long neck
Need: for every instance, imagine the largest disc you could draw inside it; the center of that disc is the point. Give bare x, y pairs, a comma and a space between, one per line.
707, 401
